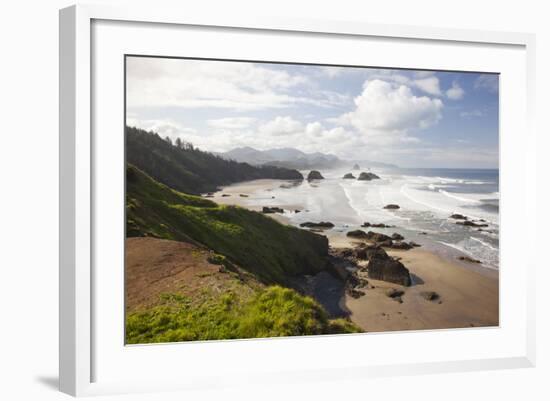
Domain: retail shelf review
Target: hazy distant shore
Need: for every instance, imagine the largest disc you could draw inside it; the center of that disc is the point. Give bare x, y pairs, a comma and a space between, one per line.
468, 294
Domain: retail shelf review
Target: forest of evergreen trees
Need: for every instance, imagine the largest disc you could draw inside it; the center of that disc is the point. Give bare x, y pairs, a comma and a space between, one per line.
188, 169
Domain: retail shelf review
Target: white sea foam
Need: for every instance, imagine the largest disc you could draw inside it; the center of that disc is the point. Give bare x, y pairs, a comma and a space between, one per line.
484, 243
459, 198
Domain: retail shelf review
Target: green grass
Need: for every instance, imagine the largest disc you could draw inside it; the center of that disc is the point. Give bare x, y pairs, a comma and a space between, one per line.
270, 312
271, 251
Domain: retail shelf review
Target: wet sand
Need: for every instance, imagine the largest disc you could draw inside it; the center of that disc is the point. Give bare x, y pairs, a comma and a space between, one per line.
468, 297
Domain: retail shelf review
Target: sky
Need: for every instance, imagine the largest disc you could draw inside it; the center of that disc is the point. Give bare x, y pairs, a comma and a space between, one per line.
410, 118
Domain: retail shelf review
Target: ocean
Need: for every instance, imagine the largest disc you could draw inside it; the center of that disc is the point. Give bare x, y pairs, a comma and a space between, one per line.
427, 197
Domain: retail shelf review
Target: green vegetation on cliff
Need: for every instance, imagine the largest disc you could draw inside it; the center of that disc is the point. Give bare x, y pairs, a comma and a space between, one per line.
185, 168
270, 312
271, 251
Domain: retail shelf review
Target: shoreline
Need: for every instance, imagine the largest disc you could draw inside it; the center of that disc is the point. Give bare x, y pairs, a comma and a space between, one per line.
468, 293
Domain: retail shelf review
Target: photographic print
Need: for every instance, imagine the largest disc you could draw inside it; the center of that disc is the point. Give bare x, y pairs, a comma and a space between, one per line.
276, 199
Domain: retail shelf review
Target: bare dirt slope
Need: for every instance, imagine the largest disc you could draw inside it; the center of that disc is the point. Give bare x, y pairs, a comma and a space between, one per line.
156, 266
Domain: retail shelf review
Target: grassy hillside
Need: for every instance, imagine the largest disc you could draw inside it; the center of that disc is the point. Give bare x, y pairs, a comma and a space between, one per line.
271, 251
189, 169
270, 312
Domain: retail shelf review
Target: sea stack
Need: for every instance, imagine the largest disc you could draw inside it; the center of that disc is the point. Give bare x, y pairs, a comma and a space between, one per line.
356, 166
349, 176
368, 176
314, 175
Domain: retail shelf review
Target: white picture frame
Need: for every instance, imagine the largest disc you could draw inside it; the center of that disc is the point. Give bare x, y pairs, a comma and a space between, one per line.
78, 211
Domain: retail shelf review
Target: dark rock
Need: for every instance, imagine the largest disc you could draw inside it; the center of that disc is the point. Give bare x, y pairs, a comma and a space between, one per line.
357, 234
225, 195
401, 245
375, 225
457, 216
386, 243
395, 294
414, 244
468, 259
397, 237
388, 269
297, 211
267, 209
423, 233
367, 177
371, 252
243, 195
355, 293
349, 176
314, 175
321, 224
430, 295
469, 223
391, 206
377, 237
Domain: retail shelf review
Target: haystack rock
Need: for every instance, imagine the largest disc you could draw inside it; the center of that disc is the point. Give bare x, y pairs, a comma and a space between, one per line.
368, 176
314, 175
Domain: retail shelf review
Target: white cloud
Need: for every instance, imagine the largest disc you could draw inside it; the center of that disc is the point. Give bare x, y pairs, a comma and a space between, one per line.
165, 128
423, 74
155, 82
488, 82
455, 92
387, 110
429, 85
281, 126
333, 72
231, 122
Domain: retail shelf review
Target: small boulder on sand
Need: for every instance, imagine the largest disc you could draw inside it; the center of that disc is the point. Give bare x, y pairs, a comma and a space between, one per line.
468, 259
430, 295
392, 206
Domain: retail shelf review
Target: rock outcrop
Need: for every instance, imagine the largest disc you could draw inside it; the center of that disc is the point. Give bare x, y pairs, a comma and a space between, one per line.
360, 234
367, 177
392, 206
388, 269
321, 224
349, 176
375, 225
469, 223
457, 216
274, 209
314, 175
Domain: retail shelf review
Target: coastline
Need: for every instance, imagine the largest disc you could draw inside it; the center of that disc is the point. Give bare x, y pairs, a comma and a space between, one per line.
468, 295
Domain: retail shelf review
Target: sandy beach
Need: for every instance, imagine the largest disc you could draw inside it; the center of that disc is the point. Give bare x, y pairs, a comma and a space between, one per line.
468, 294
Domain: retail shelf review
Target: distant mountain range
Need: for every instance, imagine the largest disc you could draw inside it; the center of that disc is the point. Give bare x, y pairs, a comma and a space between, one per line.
293, 158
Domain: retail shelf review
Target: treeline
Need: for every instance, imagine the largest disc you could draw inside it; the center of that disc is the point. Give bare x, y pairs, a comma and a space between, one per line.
188, 169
